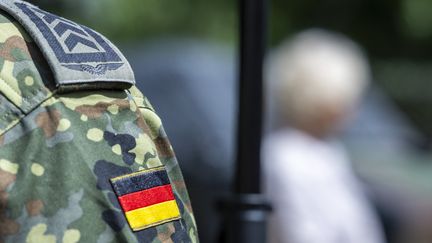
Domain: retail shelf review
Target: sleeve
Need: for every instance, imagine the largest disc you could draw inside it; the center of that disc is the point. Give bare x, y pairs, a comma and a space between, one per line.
84, 166
93, 166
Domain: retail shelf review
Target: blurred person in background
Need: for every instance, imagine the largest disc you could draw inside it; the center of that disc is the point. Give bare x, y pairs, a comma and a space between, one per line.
316, 81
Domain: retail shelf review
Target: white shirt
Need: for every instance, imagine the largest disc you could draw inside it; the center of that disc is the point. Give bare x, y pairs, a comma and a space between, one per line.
315, 195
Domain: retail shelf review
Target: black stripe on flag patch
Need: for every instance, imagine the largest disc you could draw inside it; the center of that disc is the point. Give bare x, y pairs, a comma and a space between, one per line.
141, 180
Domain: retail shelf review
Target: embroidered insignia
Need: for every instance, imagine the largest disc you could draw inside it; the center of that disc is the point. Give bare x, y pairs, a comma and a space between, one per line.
146, 198
75, 46
79, 58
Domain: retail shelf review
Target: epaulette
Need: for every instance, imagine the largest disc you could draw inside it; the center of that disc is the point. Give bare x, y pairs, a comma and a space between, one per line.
79, 57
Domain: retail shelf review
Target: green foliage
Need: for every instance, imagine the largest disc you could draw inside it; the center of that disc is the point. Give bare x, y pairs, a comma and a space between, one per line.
134, 19
379, 25
387, 29
416, 18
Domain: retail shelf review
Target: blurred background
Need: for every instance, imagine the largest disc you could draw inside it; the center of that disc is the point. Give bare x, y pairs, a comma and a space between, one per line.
184, 53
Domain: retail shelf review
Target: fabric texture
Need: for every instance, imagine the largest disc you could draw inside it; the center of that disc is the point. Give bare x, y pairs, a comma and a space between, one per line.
141, 180
59, 151
160, 213
146, 198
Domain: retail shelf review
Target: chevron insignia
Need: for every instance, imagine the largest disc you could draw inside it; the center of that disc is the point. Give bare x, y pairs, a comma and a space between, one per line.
75, 46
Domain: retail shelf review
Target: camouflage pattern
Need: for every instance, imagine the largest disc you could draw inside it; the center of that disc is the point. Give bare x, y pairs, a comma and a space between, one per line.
58, 152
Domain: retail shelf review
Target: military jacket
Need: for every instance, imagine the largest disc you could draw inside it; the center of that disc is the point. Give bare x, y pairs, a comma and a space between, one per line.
83, 155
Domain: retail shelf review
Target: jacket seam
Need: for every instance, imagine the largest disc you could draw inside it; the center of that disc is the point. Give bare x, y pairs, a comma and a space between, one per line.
25, 114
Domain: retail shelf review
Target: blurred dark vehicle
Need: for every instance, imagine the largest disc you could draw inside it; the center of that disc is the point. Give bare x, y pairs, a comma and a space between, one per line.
191, 85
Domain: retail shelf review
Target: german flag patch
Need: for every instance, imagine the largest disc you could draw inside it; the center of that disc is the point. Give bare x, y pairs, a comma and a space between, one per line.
146, 197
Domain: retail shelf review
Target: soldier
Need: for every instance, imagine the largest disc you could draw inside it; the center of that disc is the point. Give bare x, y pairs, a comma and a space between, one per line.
83, 155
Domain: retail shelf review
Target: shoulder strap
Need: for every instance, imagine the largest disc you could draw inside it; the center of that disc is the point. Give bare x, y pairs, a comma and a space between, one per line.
77, 55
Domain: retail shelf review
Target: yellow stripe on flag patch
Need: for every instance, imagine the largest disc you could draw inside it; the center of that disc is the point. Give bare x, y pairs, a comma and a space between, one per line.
153, 215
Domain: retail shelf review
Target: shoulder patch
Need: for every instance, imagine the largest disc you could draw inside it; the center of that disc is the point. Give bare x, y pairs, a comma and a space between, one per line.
146, 198
76, 54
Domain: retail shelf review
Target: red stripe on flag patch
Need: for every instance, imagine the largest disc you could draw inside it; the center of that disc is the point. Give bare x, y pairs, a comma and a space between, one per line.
146, 198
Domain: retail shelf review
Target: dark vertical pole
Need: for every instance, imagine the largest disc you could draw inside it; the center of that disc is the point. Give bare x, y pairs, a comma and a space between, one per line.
252, 48
245, 213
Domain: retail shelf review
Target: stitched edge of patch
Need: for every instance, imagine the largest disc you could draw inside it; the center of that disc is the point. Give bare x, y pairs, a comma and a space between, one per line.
145, 171
156, 224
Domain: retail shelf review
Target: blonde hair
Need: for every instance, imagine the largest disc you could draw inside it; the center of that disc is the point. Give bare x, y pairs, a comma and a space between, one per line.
313, 69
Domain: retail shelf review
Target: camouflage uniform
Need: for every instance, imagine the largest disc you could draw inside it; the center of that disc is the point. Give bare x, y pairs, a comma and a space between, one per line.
59, 150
